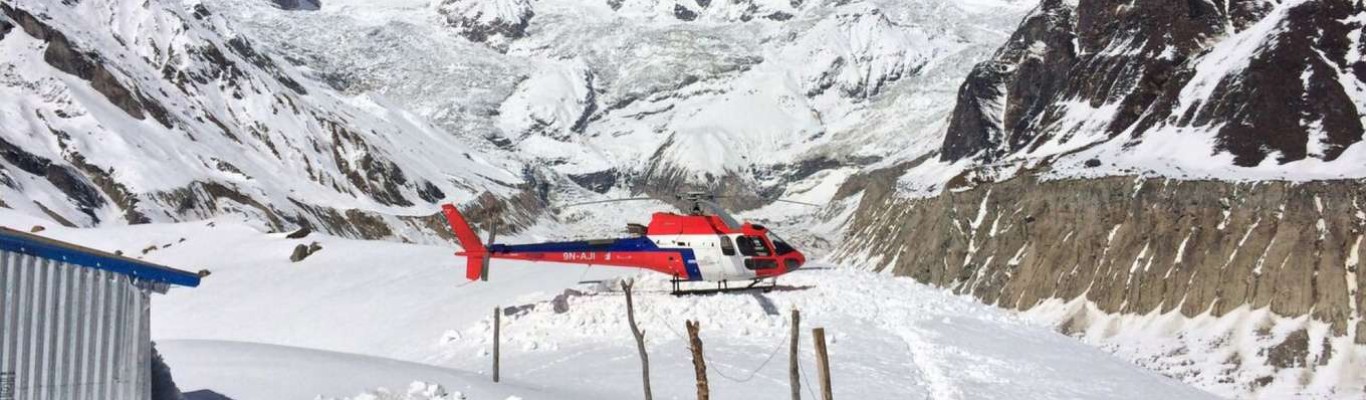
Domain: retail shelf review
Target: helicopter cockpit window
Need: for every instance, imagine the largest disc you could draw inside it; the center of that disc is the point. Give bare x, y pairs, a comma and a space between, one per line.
780, 245
753, 246
727, 246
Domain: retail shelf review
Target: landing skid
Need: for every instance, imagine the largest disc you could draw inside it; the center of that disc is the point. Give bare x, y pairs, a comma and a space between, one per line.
724, 287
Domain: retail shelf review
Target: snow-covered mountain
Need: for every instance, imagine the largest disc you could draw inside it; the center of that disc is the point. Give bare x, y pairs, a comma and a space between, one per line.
119, 113
357, 117
1179, 182
740, 97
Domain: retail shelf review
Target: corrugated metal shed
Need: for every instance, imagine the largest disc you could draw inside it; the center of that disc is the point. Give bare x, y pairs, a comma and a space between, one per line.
74, 322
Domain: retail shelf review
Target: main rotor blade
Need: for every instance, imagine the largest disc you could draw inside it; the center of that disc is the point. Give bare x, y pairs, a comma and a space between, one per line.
774, 200
728, 219
604, 201
799, 202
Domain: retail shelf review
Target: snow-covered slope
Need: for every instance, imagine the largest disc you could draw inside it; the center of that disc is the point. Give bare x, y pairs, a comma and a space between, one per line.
123, 113
240, 370
888, 337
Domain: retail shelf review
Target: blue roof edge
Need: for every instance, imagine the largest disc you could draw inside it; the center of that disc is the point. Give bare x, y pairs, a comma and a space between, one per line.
15, 241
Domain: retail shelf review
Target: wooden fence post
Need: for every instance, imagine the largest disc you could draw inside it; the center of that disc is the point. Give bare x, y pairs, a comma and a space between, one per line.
640, 339
699, 364
496, 325
823, 362
793, 369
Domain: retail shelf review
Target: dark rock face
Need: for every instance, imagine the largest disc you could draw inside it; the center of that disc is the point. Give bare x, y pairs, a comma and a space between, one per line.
1001, 98
1292, 83
85, 196
469, 18
64, 56
683, 13
298, 5
1136, 61
299, 234
380, 178
303, 251
1291, 353
5, 27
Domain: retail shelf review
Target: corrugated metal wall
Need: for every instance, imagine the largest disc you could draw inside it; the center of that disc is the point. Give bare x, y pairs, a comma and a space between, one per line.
71, 332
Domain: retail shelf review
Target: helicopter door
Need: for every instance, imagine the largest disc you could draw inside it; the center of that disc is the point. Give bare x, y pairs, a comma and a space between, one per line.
757, 253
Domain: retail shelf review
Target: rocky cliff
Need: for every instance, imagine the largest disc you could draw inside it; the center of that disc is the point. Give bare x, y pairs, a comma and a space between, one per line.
1141, 247
1178, 182
1256, 80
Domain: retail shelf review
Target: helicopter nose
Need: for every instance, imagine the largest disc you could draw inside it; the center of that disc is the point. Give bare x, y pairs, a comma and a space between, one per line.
795, 261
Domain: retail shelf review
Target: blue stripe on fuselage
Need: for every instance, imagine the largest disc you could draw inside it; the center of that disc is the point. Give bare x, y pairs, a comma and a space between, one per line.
624, 245
617, 245
690, 264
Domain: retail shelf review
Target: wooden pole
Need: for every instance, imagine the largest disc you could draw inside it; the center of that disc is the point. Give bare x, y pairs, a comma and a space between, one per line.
699, 364
793, 369
640, 339
496, 325
822, 362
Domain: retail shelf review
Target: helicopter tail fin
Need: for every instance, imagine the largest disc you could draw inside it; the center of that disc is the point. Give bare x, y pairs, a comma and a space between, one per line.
476, 255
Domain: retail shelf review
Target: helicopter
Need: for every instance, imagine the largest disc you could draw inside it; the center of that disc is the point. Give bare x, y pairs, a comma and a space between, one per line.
704, 244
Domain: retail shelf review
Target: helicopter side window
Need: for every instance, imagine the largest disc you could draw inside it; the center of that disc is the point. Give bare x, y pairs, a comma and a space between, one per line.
727, 246
753, 246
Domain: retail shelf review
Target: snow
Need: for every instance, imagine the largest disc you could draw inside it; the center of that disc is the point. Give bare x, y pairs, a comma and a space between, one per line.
243, 371
1216, 352
359, 316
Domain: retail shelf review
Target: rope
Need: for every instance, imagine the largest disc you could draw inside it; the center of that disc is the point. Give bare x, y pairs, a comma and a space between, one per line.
756, 369
752, 373
806, 383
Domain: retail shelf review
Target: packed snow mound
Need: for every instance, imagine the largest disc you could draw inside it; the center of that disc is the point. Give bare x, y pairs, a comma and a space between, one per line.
416, 391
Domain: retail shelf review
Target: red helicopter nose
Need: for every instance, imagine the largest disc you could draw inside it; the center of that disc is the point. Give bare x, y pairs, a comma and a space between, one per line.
794, 260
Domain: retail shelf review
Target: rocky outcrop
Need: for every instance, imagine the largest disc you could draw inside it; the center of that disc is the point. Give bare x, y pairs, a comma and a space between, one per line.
5, 26
64, 56
1002, 98
491, 21
1296, 97
302, 251
1266, 79
298, 5
1131, 246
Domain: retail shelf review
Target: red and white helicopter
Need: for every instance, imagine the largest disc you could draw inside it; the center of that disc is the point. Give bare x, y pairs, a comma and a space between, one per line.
705, 244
